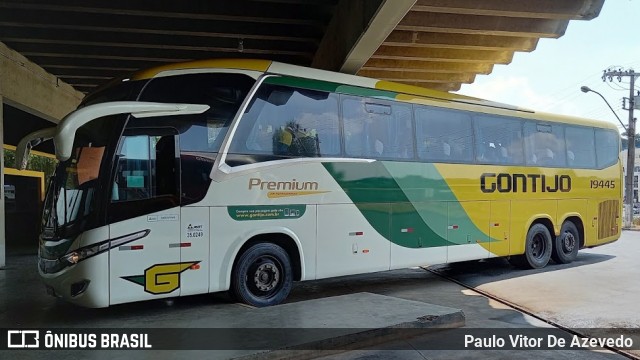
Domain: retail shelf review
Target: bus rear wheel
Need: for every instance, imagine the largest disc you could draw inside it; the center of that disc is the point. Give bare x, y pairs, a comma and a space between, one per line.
262, 276
566, 245
538, 248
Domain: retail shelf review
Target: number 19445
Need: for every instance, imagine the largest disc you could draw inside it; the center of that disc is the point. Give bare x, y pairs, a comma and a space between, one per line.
603, 184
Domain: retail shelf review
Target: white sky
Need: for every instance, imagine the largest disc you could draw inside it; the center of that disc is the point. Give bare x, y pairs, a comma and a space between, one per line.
549, 78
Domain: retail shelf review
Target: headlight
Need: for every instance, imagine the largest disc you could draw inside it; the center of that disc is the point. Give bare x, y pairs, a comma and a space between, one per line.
78, 255
75, 256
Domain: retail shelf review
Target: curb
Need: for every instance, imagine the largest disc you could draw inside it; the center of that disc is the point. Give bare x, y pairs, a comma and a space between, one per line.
363, 339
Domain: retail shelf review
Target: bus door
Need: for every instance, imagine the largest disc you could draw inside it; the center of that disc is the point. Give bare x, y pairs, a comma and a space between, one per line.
144, 217
194, 250
195, 170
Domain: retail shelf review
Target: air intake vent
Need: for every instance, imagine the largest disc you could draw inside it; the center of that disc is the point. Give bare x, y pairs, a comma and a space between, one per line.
608, 213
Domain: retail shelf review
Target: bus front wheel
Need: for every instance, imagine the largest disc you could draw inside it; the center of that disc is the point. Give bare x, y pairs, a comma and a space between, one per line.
262, 276
538, 249
565, 247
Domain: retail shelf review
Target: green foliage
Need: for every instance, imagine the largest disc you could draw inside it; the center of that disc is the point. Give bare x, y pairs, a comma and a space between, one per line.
44, 164
9, 158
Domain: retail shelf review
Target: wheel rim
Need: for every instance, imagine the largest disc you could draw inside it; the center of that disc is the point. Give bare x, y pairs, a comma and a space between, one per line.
264, 276
538, 246
568, 242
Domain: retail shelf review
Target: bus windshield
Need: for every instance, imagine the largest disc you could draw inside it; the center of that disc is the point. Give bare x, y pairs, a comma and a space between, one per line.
72, 189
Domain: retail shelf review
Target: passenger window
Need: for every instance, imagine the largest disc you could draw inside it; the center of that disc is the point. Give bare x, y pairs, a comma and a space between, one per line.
498, 140
580, 147
195, 176
224, 93
146, 174
377, 129
443, 135
289, 122
544, 144
146, 168
607, 147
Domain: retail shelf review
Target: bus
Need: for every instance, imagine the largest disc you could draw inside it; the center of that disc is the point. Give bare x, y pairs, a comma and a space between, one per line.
249, 175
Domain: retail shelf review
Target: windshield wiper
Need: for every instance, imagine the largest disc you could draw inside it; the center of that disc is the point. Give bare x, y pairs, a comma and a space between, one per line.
64, 188
53, 209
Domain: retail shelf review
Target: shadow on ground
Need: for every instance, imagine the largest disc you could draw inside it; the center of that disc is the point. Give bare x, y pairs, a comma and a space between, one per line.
475, 273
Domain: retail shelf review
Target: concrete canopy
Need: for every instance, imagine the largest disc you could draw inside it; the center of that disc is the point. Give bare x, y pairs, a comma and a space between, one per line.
432, 43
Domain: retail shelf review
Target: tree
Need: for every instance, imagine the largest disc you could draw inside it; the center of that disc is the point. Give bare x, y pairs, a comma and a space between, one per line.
36, 162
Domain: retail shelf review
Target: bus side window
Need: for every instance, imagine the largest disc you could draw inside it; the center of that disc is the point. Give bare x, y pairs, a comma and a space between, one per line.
499, 140
195, 176
355, 128
545, 144
284, 122
146, 175
607, 147
581, 143
443, 135
377, 129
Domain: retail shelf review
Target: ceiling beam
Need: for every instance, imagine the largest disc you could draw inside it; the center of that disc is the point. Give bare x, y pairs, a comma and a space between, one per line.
149, 51
356, 30
164, 32
350, 20
144, 61
484, 25
427, 66
403, 76
100, 76
136, 24
300, 14
233, 48
435, 86
541, 9
384, 22
455, 55
25, 85
52, 54
460, 41
117, 65
25, 32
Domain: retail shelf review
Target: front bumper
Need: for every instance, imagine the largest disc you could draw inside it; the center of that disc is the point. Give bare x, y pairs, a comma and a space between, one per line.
85, 284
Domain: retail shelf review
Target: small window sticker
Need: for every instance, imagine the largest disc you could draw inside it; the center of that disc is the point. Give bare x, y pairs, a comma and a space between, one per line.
195, 231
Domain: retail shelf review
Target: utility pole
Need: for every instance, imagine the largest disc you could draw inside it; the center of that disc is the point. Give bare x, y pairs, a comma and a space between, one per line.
631, 136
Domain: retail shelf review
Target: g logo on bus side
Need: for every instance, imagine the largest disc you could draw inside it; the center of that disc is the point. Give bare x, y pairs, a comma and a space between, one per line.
161, 278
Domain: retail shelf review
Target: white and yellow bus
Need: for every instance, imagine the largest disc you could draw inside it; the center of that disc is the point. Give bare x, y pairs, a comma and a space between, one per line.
248, 175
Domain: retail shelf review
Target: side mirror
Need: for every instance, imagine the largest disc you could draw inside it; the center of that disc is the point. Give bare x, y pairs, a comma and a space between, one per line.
28, 142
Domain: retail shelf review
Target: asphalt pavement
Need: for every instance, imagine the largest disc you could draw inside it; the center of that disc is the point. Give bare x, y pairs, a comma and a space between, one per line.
599, 290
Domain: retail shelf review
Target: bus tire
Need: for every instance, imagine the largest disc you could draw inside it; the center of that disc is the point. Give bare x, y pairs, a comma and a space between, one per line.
262, 276
538, 248
566, 245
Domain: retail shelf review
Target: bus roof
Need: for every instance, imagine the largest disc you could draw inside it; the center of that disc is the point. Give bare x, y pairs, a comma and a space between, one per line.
401, 91
274, 67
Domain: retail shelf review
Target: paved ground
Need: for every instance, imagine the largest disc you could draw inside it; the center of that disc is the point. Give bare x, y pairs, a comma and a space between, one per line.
597, 292
600, 289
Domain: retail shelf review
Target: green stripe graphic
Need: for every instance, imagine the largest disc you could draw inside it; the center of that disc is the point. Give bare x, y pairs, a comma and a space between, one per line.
410, 204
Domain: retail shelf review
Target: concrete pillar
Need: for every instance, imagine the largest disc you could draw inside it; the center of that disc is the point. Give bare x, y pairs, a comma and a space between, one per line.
28, 87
